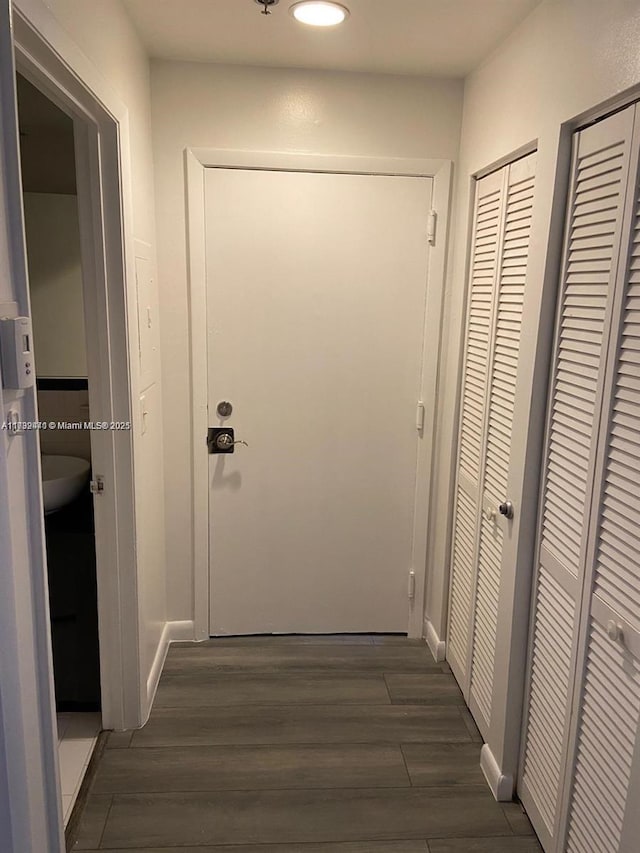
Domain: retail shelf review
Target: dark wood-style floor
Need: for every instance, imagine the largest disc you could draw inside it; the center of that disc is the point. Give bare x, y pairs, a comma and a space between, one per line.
318, 745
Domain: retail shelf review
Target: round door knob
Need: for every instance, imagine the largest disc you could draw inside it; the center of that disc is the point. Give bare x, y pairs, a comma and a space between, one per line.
506, 509
614, 631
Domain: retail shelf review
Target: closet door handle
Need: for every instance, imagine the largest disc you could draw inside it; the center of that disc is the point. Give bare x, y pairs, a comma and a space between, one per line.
506, 509
615, 632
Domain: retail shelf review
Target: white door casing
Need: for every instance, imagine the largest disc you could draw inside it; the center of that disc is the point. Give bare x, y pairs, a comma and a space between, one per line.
316, 311
30, 802
29, 788
197, 161
583, 683
53, 63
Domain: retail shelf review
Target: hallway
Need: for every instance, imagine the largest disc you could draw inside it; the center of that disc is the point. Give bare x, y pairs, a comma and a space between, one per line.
314, 744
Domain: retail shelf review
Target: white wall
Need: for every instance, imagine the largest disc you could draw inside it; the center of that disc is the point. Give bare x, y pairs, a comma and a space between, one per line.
566, 57
55, 284
261, 109
103, 32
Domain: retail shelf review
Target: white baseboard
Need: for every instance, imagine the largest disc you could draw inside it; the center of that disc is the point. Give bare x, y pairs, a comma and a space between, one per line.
156, 670
438, 647
501, 784
173, 632
181, 632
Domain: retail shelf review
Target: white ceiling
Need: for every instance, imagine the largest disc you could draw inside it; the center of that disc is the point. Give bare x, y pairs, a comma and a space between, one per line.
427, 37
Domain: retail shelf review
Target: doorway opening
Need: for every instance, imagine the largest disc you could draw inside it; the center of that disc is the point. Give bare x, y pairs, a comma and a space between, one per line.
56, 285
57, 68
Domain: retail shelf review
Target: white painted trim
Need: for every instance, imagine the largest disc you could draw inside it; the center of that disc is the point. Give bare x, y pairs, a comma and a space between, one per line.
46, 56
286, 161
441, 518
182, 631
501, 784
30, 796
173, 632
196, 161
196, 260
437, 646
41, 25
29, 779
507, 160
436, 277
156, 667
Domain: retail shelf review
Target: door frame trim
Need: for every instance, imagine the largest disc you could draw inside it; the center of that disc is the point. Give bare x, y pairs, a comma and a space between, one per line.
196, 160
39, 48
47, 57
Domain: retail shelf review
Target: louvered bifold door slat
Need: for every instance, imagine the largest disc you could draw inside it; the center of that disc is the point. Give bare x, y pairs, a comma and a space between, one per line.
600, 170
606, 743
487, 225
503, 368
617, 565
609, 700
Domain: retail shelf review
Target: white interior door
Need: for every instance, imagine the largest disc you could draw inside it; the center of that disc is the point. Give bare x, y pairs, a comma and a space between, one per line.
606, 740
316, 288
484, 539
487, 228
578, 680
500, 479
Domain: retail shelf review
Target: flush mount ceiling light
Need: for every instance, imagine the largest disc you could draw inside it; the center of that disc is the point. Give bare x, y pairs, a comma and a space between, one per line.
319, 13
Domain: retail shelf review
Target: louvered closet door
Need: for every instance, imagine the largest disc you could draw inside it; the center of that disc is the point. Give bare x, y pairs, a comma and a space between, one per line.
487, 231
496, 473
500, 246
592, 245
602, 817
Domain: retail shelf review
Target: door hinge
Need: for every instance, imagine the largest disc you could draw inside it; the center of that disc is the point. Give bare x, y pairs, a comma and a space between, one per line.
432, 221
412, 585
97, 485
420, 416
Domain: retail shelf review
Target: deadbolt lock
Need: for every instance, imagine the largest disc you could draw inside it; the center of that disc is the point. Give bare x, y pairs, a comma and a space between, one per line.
224, 409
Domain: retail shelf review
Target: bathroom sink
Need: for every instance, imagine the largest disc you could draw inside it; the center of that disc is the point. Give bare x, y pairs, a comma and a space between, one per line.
63, 479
